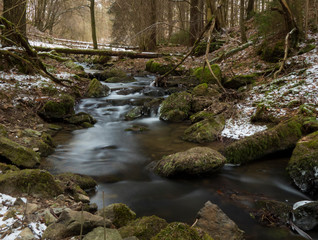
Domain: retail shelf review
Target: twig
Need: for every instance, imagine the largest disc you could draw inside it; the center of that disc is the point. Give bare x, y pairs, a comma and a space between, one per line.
104, 215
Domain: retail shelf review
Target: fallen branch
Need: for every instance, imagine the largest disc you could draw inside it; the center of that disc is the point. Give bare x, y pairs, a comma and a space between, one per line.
160, 79
282, 64
231, 52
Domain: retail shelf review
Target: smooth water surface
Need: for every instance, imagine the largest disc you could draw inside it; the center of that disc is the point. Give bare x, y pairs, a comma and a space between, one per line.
117, 159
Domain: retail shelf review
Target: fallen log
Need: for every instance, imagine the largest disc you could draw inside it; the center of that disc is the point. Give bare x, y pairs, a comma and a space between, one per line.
128, 54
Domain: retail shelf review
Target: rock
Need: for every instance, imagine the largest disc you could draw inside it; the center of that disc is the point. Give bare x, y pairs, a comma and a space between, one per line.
154, 92
205, 131
306, 216
83, 198
92, 208
118, 213
240, 81
281, 137
26, 234
204, 89
262, 114
134, 113
195, 161
17, 154
83, 181
48, 217
69, 224
31, 208
31, 133
215, 222
109, 73
143, 228
4, 168
178, 230
46, 145
303, 164
96, 89
205, 75
80, 119
272, 52
137, 128
203, 115
98, 234
155, 67
126, 79
34, 182
58, 110
176, 107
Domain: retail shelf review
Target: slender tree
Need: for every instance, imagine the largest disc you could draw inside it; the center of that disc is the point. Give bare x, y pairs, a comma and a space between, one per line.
194, 21
250, 9
93, 23
242, 22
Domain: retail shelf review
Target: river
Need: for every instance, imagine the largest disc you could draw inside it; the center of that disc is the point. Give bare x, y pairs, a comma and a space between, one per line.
117, 159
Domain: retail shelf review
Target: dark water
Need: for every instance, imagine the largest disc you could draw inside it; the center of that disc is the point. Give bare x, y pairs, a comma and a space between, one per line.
117, 159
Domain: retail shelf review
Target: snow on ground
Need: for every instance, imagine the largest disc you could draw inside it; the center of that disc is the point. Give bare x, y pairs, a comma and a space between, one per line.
11, 221
279, 96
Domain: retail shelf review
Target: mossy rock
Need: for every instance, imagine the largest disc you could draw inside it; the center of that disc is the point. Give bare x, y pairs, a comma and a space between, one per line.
17, 154
263, 115
155, 67
176, 108
206, 130
205, 76
240, 80
96, 89
83, 181
126, 79
3, 131
35, 182
58, 110
118, 213
109, 73
307, 48
311, 125
193, 162
134, 113
281, 137
98, 234
272, 53
143, 228
303, 165
74, 66
306, 216
202, 115
200, 90
80, 119
180, 231
4, 168
201, 48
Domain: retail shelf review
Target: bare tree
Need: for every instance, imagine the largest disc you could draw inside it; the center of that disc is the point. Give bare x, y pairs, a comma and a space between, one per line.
194, 21
242, 22
93, 23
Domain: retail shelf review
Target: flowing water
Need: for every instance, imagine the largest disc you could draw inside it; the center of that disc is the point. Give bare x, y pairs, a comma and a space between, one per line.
117, 159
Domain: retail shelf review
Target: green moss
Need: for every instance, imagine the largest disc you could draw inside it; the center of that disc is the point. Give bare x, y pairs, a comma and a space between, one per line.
262, 114
35, 182
200, 90
240, 80
4, 168
201, 48
3, 131
81, 118
272, 53
143, 228
49, 89
281, 137
17, 154
205, 75
125, 79
179, 231
72, 65
176, 107
307, 48
134, 113
199, 116
112, 72
83, 181
155, 67
96, 89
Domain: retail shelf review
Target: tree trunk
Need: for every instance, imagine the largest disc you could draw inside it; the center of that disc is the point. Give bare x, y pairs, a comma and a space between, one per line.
194, 21
242, 25
232, 13
153, 20
15, 12
93, 23
170, 19
250, 9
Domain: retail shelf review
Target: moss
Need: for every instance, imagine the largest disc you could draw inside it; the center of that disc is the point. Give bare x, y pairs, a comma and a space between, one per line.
176, 107
200, 90
179, 231
134, 113
83, 181
4, 168
35, 182
199, 116
307, 48
272, 53
205, 131
58, 110
281, 137
155, 67
80, 118
240, 80
72, 65
201, 48
3, 131
125, 79
49, 89
17, 154
96, 89
205, 75
112, 72
262, 114
119, 214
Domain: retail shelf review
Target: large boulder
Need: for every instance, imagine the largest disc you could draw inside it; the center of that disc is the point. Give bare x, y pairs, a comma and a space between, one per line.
118, 213
134, 113
306, 216
176, 108
281, 137
180, 231
155, 67
82, 119
239, 81
205, 75
83, 181
98, 234
59, 109
34, 182
108, 73
143, 228
217, 224
195, 161
206, 130
303, 165
70, 222
17, 154
96, 89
